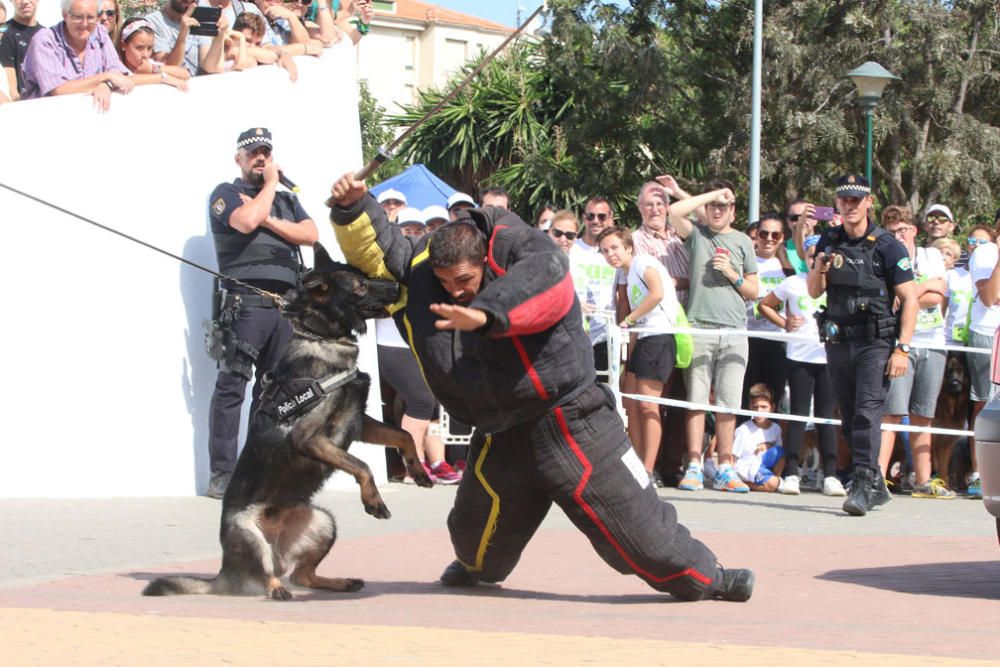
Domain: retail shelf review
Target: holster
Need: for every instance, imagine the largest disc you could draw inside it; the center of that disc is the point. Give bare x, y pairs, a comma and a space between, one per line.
231, 354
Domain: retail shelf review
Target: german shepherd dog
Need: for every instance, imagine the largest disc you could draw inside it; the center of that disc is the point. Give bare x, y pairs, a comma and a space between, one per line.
269, 524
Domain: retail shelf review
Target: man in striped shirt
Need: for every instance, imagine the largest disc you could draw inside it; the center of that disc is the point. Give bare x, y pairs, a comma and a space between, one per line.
75, 56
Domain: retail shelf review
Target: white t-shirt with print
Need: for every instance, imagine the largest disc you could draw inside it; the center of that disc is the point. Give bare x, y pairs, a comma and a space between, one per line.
984, 321
960, 293
769, 275
594, 281
748, 438
929, 264
665, 313
794, 293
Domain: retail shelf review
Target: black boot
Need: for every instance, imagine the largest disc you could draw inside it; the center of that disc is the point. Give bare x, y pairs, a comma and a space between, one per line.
880, 492
736, 585
457, 574
859, 500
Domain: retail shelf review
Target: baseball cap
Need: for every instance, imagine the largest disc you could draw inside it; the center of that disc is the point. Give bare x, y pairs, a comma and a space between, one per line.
853, 185
434, 211
386, 195
460, 198
410, 216
940, 208
251, 139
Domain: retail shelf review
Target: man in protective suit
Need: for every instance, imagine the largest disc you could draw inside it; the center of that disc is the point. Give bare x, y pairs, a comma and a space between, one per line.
490, 312
257, 232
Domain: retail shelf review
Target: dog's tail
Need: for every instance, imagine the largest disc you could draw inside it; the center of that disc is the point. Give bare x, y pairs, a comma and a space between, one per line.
182, 586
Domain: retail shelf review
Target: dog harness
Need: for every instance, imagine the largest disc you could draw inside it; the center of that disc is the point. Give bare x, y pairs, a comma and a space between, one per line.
290, 398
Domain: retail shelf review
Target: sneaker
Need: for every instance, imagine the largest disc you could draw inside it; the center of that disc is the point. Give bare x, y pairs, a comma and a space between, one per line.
833, 487
859, 498
975, 489
458, 575
460, 466
443, 473
726, 479
789, 485
217, 485
935, 488
655, 480
693, 480
736, 585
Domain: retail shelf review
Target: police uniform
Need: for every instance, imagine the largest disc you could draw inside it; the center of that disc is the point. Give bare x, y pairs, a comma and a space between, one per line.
859, 328
256, 334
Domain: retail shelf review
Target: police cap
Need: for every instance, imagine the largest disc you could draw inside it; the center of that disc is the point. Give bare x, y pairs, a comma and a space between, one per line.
253, 138
853, 186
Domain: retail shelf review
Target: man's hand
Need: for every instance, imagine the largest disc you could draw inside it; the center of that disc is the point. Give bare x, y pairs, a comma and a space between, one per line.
102, 98
279, 12
898, 364
822, 262
122, 83
669, 184
271, 173
458, 318
187, 21
726, 196
347, 191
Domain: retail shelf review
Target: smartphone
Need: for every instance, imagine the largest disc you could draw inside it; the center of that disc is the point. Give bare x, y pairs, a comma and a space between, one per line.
824, 213
207, 17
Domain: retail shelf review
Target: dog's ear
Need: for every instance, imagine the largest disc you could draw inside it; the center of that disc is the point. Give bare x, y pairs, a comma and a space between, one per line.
322, 259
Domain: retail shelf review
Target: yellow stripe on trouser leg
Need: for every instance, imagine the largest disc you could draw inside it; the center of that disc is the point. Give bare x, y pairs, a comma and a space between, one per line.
491, 522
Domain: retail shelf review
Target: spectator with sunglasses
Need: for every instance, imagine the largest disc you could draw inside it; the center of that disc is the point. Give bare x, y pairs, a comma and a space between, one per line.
939, 223
109, 15
596, 290
17, 35
766, 359
563, 230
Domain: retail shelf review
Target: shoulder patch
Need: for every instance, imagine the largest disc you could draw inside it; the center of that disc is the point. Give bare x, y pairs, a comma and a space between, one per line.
219, 206
905, 264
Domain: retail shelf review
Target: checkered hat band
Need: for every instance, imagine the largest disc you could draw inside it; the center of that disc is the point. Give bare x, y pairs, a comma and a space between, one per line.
254, 140
853, 187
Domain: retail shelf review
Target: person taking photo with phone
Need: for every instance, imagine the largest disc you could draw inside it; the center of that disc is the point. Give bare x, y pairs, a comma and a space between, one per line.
178, 43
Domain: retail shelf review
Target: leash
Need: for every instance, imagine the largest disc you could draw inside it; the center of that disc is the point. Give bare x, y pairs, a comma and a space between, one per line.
278, 299
387, 153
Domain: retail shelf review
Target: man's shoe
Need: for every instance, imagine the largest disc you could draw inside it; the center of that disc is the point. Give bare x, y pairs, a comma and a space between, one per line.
217, 485
693, 480
736, 585
458, 575
727, 480
975, 489
789, 485
859, 498
880, 490
833, 487
935, 489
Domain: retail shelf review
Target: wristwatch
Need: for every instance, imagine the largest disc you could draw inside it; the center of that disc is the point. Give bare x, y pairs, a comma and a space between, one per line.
903, 347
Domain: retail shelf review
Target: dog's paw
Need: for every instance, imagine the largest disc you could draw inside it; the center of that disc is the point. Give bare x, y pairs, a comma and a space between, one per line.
378, 510
416, 471
352, 585
279, 592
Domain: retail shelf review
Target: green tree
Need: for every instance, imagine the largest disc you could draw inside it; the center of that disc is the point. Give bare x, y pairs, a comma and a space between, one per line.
375, 133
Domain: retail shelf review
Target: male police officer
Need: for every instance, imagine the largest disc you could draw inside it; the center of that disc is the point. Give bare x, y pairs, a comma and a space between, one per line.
491, 314
257, 232
863, 270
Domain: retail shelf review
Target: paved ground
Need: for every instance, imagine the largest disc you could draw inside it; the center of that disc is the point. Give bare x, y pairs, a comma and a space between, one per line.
917, 580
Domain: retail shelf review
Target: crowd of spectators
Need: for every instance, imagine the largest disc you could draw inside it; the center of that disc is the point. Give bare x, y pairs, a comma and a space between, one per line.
687, 265
98, 51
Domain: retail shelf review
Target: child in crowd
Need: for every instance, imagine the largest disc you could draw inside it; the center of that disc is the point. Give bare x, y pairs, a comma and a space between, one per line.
959, 293
135, 48
253, 28
652, 304
757, 445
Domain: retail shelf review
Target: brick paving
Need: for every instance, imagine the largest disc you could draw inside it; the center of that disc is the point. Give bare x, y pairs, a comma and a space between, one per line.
918, 579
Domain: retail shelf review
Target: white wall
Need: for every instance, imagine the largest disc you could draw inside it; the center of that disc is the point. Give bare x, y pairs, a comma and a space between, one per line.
106, 382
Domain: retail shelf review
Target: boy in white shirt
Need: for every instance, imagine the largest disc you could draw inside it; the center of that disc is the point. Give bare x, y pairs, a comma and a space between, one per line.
757, 445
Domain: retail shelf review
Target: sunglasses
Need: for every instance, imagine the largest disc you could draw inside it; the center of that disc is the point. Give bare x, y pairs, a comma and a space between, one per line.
765, 235
937, 219
974, 242
107, 13
597, 216
558, 233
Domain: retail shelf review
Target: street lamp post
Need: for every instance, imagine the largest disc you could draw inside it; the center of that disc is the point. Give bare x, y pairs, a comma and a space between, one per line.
870, 79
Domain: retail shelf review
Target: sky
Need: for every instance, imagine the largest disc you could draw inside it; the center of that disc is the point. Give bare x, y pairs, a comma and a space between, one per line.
501, 11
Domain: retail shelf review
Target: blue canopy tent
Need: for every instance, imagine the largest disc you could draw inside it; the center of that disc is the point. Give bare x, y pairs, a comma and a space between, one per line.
421, 187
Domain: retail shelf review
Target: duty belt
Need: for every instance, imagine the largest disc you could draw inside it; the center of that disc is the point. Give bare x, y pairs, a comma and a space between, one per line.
251, 300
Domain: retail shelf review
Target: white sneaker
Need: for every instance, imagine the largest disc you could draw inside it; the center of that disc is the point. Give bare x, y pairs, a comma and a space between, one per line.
833, 487
789, 485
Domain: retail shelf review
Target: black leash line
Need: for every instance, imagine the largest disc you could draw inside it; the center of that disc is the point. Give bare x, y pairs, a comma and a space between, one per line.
146, 244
